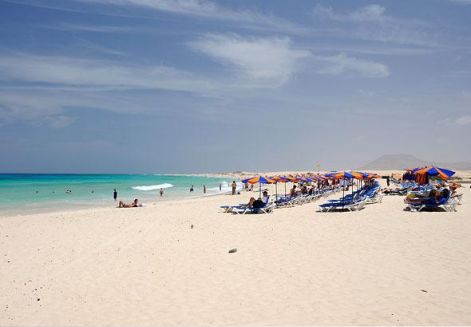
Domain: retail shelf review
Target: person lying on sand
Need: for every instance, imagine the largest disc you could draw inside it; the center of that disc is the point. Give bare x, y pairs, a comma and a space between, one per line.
134, 204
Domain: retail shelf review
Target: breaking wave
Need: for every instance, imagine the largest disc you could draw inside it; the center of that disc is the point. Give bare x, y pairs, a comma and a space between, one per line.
152, 187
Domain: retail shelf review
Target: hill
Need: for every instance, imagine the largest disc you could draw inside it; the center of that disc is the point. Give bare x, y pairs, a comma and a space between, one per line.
404, 161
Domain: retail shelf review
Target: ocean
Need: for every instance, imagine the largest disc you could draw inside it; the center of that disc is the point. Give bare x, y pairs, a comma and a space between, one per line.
28, 193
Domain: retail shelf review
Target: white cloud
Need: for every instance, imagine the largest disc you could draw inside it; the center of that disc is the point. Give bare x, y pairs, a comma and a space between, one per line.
97, 73
259, 59
464, 120
37, 111
371, 23
67, 27
210, 10
342, 64
368, 13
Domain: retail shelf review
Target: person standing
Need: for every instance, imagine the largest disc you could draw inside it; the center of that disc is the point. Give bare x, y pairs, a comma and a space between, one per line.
388, 180
220, 187
191, 188
161, 192
115, 194
204, 189
234, 186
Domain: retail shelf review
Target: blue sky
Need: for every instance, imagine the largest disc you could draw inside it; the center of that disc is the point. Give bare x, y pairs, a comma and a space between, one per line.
206, 86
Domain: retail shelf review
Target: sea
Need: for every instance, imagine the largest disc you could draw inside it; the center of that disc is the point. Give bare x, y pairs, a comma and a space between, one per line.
31, 193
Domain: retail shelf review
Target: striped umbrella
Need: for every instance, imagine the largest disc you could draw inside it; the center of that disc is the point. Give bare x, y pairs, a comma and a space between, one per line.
436, 172
260, 180
279, 179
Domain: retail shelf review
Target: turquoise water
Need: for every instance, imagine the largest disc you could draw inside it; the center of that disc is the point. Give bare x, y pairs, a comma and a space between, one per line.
40, 192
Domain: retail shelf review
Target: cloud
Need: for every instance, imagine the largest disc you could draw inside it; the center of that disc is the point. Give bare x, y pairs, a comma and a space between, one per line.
259, 59
368, 13
371, 23
463, 120
342, 64
88, 73
32, 110
209, 10
67, 27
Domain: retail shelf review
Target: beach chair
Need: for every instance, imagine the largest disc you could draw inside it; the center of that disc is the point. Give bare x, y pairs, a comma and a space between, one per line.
228, 209
342, 206
267, 208
457, 197
447, 203
284, 202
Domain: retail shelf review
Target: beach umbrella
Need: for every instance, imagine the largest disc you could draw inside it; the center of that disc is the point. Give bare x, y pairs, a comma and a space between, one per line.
260, 180
345, 175
436, 172
304, 179
280, 179
360, 176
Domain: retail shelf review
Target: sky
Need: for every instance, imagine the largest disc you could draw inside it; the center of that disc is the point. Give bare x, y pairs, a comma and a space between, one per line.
162, 86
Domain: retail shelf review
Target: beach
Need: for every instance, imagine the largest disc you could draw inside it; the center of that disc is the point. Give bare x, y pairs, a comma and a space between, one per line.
168, 263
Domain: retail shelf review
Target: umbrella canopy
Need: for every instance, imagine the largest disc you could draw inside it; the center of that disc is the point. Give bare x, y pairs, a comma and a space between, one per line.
435, 171
260, 180
345, 175
280, 179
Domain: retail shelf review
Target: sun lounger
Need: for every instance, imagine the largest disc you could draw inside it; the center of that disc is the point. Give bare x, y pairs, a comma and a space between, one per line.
457, 198
268, 208
446, 203
342, 206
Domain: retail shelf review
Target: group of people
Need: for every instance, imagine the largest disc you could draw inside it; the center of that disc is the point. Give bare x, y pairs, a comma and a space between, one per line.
434, 195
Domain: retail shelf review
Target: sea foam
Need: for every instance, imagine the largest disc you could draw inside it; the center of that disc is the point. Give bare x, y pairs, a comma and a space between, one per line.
152, 187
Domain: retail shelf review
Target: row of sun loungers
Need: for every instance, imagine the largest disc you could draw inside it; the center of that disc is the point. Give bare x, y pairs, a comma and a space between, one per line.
291, 201
355, 201
281, 202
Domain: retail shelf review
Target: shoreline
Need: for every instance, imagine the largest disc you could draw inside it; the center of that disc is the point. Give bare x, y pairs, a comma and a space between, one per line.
95, 206
154, 199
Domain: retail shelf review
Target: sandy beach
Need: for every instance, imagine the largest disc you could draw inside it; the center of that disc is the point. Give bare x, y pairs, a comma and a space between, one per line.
168, 264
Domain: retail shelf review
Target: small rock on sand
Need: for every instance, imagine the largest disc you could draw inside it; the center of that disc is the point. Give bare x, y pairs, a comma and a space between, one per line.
232, 250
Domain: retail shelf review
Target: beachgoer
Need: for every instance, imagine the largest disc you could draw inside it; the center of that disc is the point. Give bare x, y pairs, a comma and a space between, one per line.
191, 188
293, 190
161, 192
115, 194
134, 204
260, 202
204, 189
234, 187
265, 197
387, 180
220, 187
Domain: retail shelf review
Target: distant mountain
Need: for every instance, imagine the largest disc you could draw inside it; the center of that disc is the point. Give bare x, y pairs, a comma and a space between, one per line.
404, 161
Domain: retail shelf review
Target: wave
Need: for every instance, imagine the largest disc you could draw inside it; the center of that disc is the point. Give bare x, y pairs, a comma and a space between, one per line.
152, 187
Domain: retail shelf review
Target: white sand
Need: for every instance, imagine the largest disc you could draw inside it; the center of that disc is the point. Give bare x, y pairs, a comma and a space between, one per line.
147, 266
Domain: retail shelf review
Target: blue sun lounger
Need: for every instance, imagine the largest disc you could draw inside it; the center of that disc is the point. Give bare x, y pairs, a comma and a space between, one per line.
446, 203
